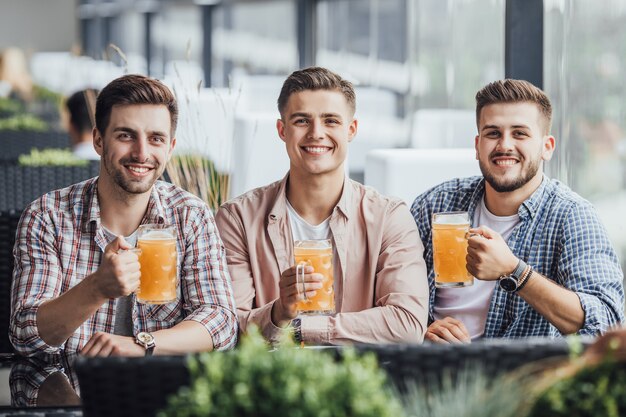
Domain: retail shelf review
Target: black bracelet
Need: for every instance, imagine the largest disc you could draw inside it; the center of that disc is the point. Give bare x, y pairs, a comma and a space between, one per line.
297, 329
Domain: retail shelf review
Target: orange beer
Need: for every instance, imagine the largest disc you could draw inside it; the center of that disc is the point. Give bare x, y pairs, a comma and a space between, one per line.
319, 255
450, 249
158, 264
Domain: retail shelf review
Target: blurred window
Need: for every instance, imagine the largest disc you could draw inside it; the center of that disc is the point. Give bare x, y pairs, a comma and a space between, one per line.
254, 38
585, 49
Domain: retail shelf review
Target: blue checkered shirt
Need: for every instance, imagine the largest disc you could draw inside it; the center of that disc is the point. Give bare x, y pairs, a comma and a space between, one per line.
559, 235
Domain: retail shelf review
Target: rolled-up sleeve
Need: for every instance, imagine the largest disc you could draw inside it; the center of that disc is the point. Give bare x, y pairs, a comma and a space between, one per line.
233, 234
206, 284
36, 278
589, 266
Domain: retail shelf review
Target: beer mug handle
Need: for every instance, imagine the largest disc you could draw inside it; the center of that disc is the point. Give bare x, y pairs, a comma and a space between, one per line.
136, 251
300, 277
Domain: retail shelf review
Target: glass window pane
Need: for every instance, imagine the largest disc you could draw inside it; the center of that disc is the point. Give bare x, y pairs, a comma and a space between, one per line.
177, 42
407, 57
585, 46
244, 42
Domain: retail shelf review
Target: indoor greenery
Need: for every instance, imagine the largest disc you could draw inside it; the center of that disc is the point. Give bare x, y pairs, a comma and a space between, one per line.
9, 106
51, 157
23, 122
287, 381
199, 176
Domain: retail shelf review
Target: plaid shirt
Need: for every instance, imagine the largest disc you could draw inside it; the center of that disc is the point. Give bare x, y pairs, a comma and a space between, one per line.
559, 235
60, 240
29, 374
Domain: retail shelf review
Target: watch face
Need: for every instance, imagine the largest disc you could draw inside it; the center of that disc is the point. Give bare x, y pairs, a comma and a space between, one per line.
508, 284
145, 338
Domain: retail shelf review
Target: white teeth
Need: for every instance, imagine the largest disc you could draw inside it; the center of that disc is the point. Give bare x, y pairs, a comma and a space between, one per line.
315, 149
506, 162
138, 169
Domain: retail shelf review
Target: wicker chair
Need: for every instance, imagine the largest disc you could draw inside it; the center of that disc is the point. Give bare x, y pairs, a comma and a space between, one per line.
129, 386
430, 363
16, 143
21, 184
8, 226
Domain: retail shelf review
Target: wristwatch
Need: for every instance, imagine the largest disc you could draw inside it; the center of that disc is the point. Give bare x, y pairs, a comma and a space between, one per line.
146, 340
511, 282
296, 324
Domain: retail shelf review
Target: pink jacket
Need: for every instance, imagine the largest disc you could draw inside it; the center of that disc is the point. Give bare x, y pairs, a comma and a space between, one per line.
381, 292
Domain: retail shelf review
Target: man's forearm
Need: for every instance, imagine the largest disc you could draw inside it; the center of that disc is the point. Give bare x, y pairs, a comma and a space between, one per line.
58, 319
187, 336
384, 324
557, 304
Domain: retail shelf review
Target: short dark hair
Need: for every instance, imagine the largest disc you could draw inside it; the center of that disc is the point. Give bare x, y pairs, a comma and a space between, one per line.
134, 89
315, 78
514, 91
81, 108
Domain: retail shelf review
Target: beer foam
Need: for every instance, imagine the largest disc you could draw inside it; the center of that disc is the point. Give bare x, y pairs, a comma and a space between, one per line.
156, 235
313, 244
452, 219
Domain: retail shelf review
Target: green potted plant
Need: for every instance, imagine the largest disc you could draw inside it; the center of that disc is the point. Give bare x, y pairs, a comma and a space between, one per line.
254, 381
593, 384
51, 157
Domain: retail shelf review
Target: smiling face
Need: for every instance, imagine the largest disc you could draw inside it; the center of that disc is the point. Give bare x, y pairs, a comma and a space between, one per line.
135, 147
316, 126
511, 146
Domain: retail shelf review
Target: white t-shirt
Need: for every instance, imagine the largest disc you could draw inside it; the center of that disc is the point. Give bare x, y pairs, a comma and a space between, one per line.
301, 230
123, 325
470, 305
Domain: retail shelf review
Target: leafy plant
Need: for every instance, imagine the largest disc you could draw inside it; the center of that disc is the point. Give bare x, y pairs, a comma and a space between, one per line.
289, 381
598, 390
23, 122
51, 157
9, 106
45, 94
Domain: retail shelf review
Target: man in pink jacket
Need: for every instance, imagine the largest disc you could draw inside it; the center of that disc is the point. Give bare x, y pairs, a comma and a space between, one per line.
381, 289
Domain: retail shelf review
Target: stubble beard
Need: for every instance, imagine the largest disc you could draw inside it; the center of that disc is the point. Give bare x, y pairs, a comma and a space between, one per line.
501, 185
127, 185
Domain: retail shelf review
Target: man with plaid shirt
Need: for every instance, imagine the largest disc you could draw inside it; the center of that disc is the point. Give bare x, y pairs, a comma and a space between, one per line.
543, 262
74, 278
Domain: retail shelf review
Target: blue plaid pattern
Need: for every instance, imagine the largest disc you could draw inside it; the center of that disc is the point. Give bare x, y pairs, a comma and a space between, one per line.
559, 235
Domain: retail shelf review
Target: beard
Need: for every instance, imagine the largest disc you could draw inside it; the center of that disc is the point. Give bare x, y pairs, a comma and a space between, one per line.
132, 186
503, 185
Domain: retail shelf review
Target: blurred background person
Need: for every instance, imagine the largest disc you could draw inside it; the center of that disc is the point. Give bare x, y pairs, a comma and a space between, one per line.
81, 106
14, 74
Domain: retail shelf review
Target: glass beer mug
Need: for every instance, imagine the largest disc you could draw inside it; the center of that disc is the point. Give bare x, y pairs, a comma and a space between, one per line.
319, 255
158, 260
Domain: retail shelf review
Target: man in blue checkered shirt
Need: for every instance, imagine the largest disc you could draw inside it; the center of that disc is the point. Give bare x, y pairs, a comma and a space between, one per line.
543, 262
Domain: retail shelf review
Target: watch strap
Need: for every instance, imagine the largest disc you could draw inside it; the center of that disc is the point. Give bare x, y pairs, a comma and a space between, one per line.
525, 278
296, 324
518, 272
